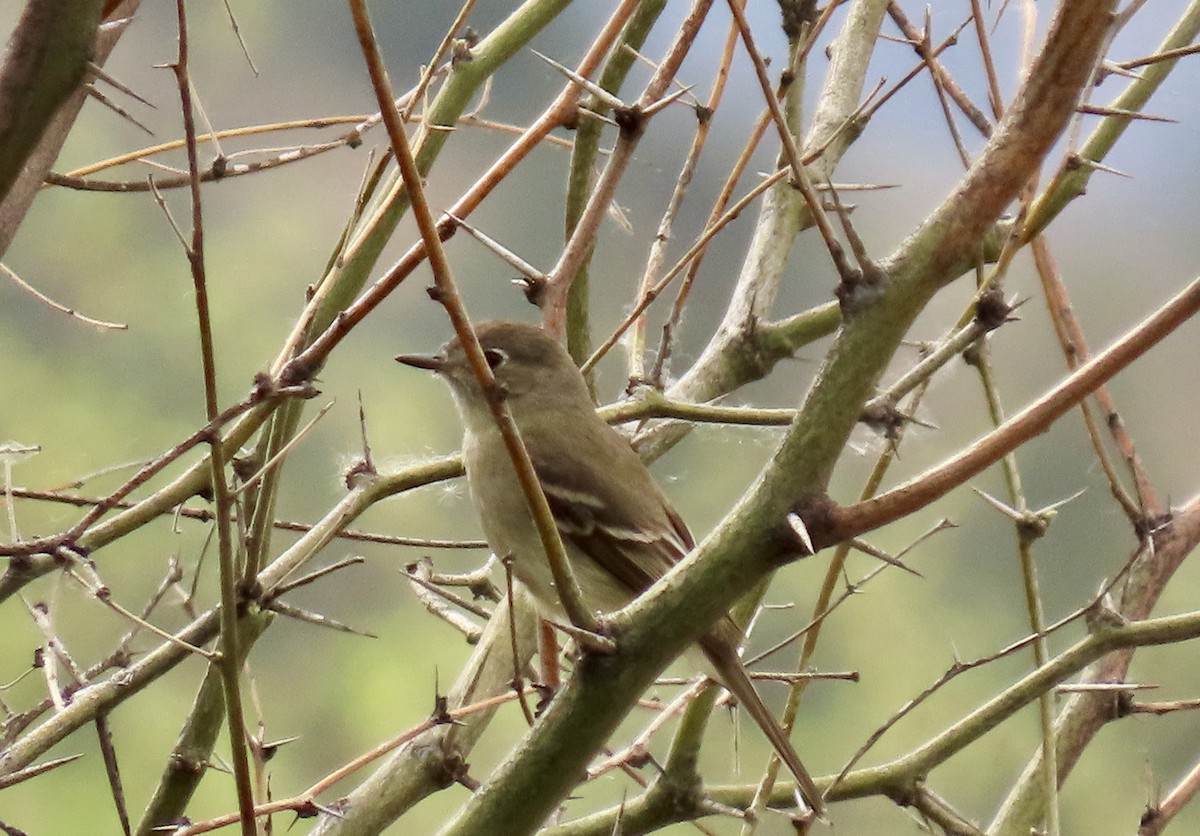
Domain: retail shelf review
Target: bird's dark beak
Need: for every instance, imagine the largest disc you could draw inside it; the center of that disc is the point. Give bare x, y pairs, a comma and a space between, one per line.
430, 362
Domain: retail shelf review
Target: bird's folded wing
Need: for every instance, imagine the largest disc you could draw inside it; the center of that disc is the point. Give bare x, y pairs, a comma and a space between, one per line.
637, 546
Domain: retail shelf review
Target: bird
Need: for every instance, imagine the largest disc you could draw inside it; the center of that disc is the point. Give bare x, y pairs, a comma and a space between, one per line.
620, 532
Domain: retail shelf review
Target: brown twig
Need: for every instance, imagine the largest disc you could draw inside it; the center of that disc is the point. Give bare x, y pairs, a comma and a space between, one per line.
1165, 55
148, 471
791, 152
958, 667
204, 515
560, 112
687, 169
518, 683
1075, 348
449, 297
1081, 718
718, 208
633, 121
1034, 419
419, 574
919, 42
229, 664
20, 775
305, 802
71, 312
995, 99
1160, 814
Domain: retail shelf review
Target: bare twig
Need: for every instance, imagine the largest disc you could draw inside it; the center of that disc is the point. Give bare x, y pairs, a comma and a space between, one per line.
567, 587
230, 662
86, 320
1030, 421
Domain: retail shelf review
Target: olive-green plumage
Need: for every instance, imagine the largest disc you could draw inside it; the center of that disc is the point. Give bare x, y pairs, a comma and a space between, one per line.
620, 532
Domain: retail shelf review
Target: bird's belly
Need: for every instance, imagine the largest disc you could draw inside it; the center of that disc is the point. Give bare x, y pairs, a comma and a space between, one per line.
510, 531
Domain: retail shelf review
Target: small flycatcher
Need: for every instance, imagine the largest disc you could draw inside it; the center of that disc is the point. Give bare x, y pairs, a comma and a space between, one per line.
620, 532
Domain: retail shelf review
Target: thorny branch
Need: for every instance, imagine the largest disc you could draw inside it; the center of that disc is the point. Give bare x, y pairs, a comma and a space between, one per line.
744, 347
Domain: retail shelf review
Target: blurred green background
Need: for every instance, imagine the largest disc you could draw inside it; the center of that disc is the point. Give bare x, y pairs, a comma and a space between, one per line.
93, 399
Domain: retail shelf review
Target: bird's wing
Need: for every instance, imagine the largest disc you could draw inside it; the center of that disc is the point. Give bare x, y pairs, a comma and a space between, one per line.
636, 556
627, 527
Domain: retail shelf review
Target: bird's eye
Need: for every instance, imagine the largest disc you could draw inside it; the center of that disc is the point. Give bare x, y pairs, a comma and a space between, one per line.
495, 357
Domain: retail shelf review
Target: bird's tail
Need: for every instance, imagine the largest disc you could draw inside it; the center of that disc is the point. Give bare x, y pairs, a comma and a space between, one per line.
723, 657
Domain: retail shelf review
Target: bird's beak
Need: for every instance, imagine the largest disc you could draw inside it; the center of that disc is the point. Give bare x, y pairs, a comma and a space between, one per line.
431, 362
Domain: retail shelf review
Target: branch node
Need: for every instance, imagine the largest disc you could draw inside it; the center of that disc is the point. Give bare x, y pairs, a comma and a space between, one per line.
806, 527
1102, 616
358, 473
992, 310
262, 388
461, 51
631, 120
883, 418
858, 290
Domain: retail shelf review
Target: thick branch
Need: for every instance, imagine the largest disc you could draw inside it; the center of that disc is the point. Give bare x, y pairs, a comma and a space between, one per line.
659, 625
35, 162
46, 60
